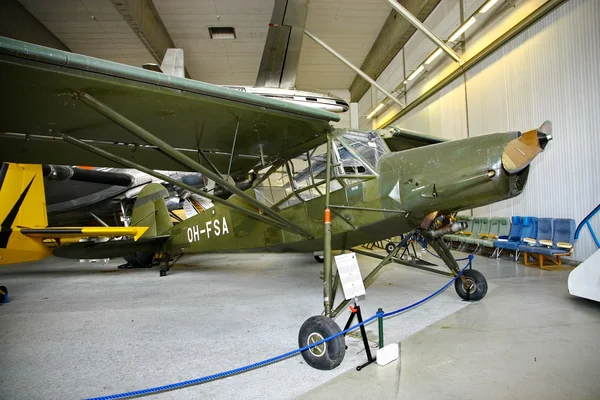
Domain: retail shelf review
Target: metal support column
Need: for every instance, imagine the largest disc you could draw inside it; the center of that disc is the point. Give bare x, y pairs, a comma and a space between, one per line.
355, 68
170, 151
327, 267
417, 24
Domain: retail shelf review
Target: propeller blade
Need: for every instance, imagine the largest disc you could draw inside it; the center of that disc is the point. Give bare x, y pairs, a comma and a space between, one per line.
519, 152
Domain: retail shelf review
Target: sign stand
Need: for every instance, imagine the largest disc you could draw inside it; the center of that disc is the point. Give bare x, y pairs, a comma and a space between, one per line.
352, 283
355, 310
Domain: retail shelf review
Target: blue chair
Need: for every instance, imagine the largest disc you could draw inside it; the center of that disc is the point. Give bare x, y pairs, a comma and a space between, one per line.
529, 230
512, 240
560, 245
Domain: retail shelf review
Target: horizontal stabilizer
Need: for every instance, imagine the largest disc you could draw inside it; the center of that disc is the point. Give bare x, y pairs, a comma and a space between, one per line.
110, 249
75, 232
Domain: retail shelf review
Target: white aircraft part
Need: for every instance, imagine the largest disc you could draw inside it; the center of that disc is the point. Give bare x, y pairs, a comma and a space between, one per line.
584, 281
189, 209
203, 201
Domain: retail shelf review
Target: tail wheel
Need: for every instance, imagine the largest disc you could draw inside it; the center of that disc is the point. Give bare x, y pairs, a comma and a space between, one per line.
473, 288
324, 356
320, 259
390, 247
3, 294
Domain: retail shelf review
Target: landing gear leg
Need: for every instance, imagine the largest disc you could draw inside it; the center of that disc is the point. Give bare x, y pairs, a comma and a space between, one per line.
3, 294
164, 265
472, 285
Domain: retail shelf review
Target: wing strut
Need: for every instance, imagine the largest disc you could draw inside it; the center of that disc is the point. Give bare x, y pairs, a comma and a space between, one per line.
146, 136
131, 164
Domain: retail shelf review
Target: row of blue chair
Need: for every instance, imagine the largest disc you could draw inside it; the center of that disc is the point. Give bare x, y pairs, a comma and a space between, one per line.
538, 239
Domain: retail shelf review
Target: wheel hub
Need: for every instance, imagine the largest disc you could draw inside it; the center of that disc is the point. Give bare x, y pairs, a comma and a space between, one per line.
320, 349
469, 285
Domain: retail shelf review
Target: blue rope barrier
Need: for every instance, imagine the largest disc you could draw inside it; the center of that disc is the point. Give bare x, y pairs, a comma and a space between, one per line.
235, 371
403, 309
246, 368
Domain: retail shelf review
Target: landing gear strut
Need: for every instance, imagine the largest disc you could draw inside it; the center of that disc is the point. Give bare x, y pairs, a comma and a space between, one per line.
3, 294
472, 285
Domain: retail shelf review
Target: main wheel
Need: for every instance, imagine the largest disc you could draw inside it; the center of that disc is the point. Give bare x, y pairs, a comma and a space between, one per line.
320, 259
474, 288
326, 355
390, 247
3, 294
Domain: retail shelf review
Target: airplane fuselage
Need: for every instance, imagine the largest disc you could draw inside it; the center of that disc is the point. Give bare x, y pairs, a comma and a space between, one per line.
462, 174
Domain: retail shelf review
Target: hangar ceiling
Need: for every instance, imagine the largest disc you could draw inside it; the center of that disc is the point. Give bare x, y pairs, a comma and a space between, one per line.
97, 28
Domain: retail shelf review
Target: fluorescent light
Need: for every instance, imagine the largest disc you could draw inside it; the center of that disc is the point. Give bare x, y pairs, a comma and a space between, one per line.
379, 107
462, 29
487, 6
433, 56
415, 73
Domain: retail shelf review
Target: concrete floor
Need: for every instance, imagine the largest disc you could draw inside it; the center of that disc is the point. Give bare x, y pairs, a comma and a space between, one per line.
76, 330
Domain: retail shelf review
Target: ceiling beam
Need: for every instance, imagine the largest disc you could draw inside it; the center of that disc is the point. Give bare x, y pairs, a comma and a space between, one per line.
144, 20
18, 23
394, 34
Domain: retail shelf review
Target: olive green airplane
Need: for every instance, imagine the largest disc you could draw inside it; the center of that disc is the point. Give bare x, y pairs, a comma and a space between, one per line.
309, 181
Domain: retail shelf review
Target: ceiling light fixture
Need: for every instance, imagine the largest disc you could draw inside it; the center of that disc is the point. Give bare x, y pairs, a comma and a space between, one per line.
415, 73
379, 107
487, 6
433, 56
462, 29
221, 32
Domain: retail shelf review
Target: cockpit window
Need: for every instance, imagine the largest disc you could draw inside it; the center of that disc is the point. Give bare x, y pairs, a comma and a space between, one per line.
354, 154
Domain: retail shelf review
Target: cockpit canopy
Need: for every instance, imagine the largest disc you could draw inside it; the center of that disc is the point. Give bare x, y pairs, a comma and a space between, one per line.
354, 155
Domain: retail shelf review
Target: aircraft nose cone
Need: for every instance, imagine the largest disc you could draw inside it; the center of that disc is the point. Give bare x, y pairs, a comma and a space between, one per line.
519, 152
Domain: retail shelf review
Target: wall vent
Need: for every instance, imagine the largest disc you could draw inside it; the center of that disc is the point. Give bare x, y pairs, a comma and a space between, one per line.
220, 32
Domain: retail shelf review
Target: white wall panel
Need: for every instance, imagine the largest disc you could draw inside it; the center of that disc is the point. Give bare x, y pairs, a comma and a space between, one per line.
549, 72
442, 115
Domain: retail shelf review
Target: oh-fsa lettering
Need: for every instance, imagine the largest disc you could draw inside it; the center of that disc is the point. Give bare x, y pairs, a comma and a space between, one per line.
215, 228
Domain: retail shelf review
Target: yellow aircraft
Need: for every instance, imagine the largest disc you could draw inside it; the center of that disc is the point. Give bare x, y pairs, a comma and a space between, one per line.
24, 221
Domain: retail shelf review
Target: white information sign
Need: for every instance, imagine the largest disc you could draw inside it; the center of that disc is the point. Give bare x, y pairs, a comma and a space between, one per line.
350, 277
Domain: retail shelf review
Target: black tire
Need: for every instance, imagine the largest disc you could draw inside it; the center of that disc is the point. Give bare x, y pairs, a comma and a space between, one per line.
4, 294
325, 356
476, 292
140, 259
320, 259
390, 247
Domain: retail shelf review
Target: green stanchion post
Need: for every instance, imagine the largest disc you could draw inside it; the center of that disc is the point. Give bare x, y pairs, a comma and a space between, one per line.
380, 325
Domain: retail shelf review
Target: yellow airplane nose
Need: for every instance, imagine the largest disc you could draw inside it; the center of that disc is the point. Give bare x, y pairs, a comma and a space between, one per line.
519, 152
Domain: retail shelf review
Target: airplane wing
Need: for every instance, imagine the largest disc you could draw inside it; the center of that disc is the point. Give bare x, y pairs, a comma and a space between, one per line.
281, 54
206, 122
399, 139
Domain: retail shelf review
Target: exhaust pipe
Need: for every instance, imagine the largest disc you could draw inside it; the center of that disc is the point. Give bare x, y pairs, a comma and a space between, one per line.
452, 228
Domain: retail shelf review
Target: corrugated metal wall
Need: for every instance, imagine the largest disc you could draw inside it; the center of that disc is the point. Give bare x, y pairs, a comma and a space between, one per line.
550, 72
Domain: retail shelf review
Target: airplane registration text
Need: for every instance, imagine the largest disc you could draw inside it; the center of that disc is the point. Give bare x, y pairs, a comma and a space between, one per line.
216, 228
